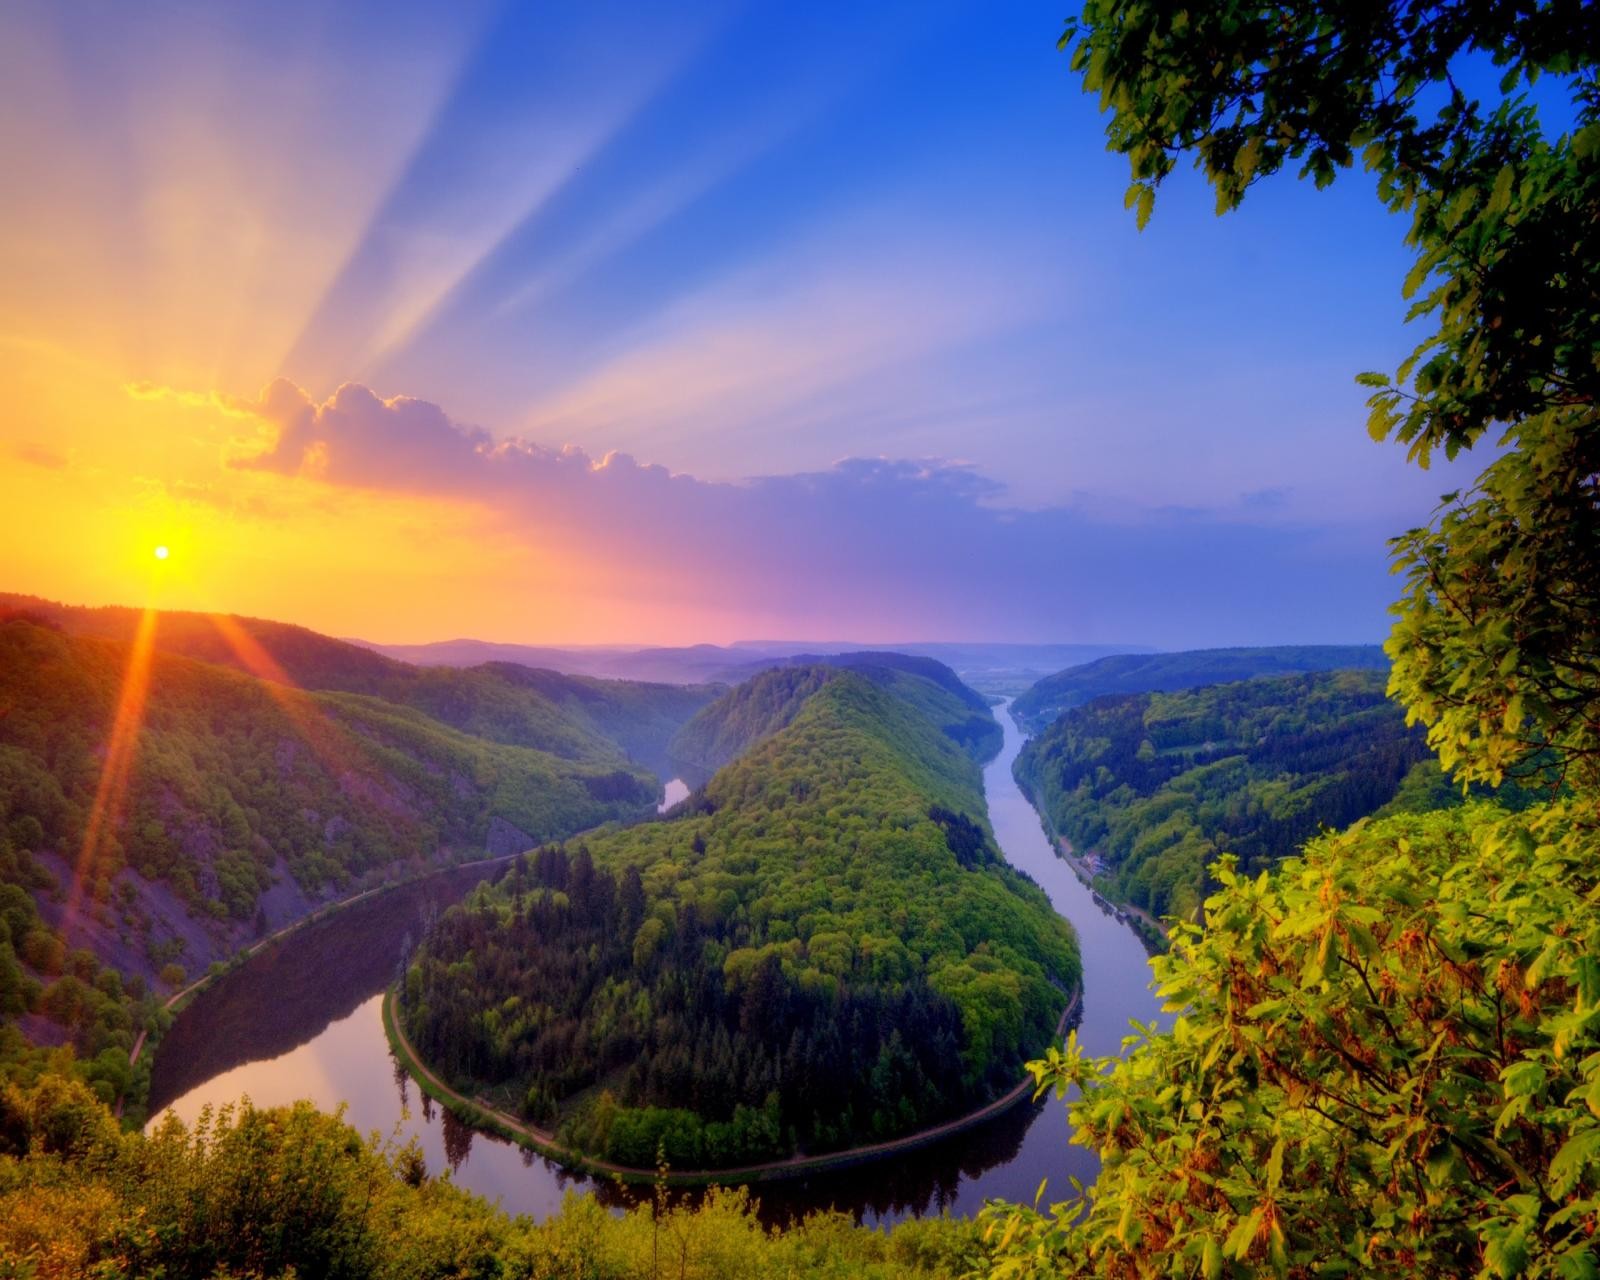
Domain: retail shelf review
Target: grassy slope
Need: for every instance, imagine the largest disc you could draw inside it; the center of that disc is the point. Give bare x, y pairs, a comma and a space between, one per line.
1168, 672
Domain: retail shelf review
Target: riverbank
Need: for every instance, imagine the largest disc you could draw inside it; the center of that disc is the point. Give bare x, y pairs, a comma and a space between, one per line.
1143, 923
175, 1003
305, 1021
479, 1115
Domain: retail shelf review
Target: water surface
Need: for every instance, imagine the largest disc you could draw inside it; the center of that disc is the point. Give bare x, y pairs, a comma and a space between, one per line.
302, 1021
675, 789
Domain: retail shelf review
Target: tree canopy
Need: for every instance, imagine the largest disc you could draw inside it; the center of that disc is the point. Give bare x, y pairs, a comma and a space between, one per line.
822, 947
1387, 1055
1497, 646
1156, 785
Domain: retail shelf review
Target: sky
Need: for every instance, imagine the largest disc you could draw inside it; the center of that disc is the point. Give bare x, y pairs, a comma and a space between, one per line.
666, 324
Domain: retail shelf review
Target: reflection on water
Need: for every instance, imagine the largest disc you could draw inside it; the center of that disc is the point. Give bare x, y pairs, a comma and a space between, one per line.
287, 995
303, 1021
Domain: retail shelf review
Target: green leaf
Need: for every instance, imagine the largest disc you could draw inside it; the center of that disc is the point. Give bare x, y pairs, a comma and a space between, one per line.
1523, 1079
1275, 1166
1577, 1153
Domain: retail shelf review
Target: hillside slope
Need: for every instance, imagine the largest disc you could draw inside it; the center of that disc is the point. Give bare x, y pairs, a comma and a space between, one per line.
1169, 672
761, 706
1153, 786
824, 947
574, 717
144, 839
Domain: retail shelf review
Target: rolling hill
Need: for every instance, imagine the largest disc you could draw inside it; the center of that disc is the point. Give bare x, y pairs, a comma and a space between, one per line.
822, 947
144, 838
575, 717
1151, 787
1168, 672
723, 730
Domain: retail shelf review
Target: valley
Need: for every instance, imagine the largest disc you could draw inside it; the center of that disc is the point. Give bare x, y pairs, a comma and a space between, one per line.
305, 1021
650, 643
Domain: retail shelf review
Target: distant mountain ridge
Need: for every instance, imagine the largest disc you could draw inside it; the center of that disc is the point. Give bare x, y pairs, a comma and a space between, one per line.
1002, 669
1188, 669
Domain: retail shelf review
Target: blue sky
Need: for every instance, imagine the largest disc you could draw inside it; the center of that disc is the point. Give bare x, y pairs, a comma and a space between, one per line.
741, 243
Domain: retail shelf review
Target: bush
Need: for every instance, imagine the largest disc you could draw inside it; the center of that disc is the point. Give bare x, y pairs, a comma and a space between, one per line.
1387, 1063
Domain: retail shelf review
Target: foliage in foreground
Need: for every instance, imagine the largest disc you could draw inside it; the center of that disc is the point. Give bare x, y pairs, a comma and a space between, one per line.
1389, 1056
290, 1191
1387, 1064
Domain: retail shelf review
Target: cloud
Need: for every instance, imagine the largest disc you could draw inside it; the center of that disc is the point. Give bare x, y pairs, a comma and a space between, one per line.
155, 392
39, 456
873, 548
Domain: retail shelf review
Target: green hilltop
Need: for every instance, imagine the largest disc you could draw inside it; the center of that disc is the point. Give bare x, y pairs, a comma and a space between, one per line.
1190, 669
1153, 786
821, 948
726, 728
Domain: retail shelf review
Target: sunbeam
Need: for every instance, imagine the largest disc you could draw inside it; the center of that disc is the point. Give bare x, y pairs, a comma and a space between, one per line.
540, 109
326, 740
106, 811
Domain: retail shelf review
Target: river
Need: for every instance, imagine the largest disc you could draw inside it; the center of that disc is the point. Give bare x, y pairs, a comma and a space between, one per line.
302, 1020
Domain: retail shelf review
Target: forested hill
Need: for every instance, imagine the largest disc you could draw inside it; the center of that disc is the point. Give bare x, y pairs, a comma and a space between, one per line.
1168, 672
1153, 786
824, 947
762, 706
575, 717
231, 806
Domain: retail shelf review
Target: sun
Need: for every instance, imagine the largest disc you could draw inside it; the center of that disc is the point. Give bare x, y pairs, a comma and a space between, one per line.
162, 552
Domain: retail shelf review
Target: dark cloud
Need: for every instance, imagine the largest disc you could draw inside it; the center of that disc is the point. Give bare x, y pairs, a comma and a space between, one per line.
869, 547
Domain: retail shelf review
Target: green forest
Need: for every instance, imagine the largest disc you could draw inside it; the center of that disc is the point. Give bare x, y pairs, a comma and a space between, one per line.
726, 728
1156, 785
235, 785
820, 948
1039, 706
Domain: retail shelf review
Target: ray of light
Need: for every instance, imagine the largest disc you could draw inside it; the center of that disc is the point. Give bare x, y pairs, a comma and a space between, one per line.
106, 811
440, 221
333, 747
